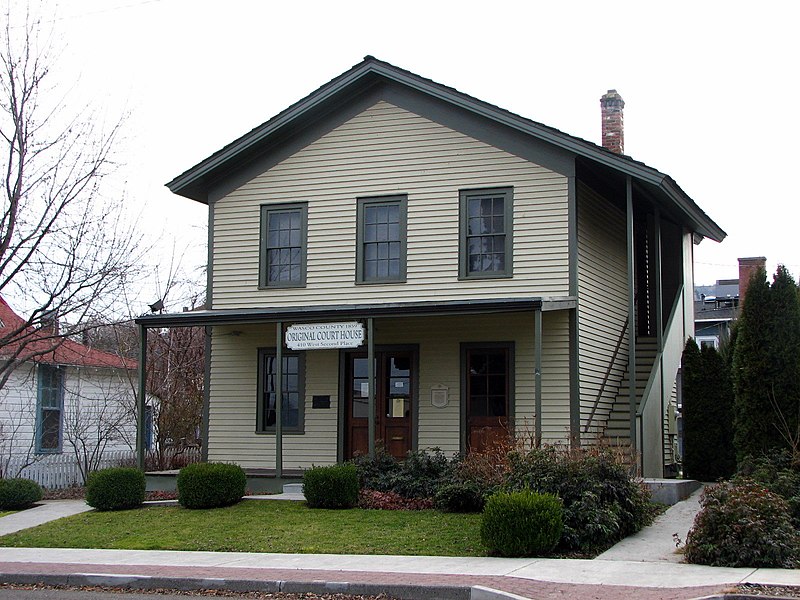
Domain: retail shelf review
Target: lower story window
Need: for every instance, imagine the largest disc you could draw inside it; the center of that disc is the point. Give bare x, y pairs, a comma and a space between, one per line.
293, 395
50, 405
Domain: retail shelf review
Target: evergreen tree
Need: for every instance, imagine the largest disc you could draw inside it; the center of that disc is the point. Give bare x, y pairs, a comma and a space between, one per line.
707, 414
766, 363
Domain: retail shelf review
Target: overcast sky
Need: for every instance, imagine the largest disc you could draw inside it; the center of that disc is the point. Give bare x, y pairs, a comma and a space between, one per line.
711, 88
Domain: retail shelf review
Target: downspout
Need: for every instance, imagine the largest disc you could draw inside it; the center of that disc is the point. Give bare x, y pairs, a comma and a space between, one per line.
631, 313
140, 400
537, 349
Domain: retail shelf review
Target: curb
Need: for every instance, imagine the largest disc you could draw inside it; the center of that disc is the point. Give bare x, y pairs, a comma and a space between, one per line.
144, 582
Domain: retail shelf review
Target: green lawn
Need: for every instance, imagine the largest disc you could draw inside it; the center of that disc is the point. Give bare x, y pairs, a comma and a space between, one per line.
5, 513
263, 526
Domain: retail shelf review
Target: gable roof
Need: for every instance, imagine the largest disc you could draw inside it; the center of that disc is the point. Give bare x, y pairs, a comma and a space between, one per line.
41, 346
196, 182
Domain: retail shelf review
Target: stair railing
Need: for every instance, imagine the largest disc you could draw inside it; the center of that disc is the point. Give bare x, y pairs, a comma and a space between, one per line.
607, 376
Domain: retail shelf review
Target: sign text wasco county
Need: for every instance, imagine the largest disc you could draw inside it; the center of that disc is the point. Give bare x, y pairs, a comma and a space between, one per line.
315, 336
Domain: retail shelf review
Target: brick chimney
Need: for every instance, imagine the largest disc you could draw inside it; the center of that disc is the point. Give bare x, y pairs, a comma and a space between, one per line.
611, 105
748, 266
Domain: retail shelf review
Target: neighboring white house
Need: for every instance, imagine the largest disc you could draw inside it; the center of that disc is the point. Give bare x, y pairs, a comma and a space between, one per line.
431, 270
66, 408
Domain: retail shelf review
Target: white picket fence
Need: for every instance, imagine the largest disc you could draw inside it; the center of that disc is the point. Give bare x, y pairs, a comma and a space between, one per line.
59, 471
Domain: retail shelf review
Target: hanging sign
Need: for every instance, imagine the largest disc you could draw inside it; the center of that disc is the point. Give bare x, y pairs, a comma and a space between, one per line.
317, 336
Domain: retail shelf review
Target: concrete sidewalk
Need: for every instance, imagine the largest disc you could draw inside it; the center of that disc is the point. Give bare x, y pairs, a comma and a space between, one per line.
644, 566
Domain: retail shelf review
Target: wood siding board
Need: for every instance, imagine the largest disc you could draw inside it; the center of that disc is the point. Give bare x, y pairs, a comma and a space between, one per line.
602, 303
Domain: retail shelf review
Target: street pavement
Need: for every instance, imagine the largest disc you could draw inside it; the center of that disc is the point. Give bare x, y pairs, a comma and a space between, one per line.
644, 566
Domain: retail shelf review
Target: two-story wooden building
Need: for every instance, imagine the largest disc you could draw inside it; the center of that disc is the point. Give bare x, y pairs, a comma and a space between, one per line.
434, 271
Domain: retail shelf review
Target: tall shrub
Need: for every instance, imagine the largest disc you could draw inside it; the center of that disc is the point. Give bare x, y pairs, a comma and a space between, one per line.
707, 414
602, 504
766, 366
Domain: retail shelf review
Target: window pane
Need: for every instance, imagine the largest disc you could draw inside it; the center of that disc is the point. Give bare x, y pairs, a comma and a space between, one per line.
370, 233
474, 207
498, 205
371, 269
51, 426
370, 215
383, 250
383, 232
383, 268
382, 214
498, 224
394, 268
475, 226
497, 406
477, 385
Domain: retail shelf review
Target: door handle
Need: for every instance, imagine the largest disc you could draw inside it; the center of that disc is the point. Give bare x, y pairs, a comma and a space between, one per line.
398, 438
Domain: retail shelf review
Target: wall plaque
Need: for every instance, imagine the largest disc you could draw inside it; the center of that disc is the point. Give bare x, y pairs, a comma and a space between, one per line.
439, 396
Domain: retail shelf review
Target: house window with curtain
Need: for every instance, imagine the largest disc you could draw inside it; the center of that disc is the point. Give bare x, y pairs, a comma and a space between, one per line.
293, 396
381, 240
283, 245
49, 409
486, 228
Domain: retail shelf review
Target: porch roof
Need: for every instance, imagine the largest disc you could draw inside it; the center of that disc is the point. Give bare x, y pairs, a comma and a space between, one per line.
354, 311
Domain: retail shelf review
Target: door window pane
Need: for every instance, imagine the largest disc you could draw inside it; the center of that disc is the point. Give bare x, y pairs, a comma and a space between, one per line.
487, 380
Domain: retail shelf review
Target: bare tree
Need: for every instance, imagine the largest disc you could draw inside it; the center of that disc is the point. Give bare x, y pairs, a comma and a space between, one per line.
98, 417
64, 249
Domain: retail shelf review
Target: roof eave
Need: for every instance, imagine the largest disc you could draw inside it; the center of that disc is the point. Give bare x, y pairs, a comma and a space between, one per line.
190, 184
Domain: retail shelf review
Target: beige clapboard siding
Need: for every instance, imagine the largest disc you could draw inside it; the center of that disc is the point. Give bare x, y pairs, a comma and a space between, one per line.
386, 150
602, 302
232, 413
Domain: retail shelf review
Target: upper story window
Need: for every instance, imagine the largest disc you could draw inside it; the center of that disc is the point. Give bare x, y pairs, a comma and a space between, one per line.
283, 245
486, 227
381, 239
50, 406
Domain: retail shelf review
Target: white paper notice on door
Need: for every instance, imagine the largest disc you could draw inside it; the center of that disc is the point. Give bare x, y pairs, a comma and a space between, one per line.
398, 407
365, 389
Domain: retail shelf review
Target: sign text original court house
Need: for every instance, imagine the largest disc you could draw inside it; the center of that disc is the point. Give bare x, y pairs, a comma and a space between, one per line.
316, 336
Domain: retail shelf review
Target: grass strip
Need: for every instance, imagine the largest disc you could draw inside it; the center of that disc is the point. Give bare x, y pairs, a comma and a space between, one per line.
263, 526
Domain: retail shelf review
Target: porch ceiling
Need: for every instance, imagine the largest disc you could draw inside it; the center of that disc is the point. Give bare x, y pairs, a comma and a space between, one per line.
355, 311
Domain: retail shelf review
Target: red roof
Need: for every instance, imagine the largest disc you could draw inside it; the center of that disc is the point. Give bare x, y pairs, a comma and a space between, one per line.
39, 345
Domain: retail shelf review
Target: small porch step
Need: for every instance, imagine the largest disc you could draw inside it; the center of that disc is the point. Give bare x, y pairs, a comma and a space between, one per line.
292, 488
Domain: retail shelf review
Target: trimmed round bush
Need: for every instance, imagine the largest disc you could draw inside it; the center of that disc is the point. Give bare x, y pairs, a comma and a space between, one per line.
521, 523
742, 524
460, 497
17, 494
211, 485
333, 486
115, 489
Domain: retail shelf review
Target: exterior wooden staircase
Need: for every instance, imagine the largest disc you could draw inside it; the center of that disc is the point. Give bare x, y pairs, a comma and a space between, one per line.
618, 428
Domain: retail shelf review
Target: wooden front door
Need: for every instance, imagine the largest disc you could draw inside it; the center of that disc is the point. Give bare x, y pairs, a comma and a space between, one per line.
394, 385
487, 396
